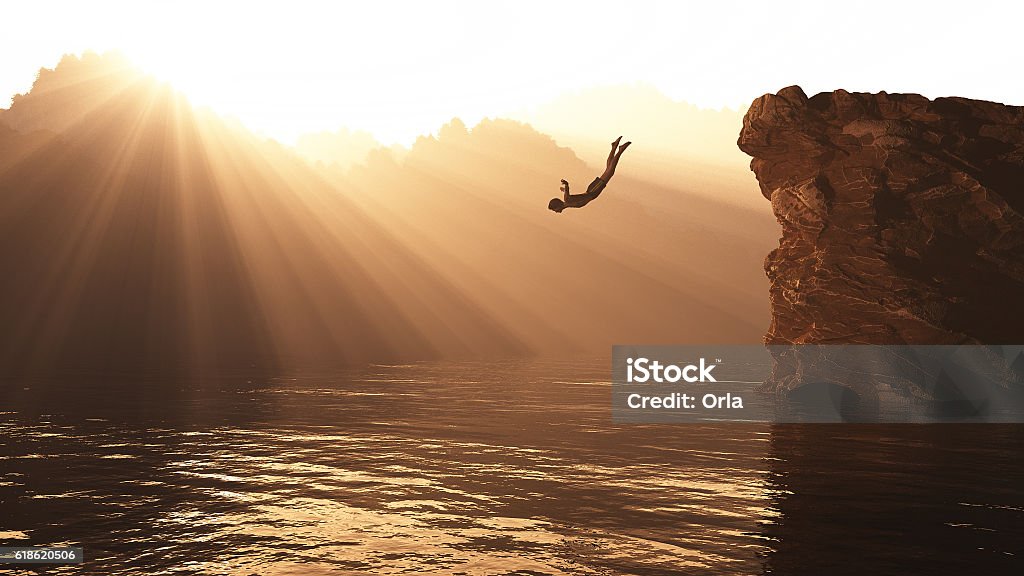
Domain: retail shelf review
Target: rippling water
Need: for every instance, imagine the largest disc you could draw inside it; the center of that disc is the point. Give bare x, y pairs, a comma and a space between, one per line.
484, 468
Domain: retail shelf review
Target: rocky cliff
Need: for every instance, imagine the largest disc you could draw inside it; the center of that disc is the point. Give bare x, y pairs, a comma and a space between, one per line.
901, 217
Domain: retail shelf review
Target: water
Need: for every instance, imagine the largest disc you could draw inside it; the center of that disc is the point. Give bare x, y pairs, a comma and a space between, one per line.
484, 468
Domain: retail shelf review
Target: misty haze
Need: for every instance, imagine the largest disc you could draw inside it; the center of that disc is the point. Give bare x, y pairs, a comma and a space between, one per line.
282, 293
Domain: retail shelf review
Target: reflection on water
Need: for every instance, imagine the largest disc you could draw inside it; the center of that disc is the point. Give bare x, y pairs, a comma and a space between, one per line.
484, 468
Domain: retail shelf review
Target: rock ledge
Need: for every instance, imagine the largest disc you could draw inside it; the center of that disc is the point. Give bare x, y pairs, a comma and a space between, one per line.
901, 217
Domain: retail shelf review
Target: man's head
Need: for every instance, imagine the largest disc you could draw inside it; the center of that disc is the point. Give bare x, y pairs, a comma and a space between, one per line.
556, 205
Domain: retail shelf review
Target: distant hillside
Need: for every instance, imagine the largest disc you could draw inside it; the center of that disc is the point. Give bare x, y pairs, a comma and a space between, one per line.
339, 149
145, 235
63, 96
685, 147
137, 232
645, 263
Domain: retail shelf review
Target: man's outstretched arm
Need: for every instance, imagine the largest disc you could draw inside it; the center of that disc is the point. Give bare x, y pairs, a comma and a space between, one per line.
565, 191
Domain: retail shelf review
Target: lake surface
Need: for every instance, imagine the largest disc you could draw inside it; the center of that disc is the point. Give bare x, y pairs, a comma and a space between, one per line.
483, 468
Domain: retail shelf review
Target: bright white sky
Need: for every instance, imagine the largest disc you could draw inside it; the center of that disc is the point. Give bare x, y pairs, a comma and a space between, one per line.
399, 69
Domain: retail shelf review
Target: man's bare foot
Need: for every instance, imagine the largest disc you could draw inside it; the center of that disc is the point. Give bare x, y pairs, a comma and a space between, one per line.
616, 143
623, 147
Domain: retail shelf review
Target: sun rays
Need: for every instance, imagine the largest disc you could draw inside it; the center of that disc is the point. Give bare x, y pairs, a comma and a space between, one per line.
161, 234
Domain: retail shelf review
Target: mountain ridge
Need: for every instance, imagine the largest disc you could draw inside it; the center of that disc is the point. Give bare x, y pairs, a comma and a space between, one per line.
148, 233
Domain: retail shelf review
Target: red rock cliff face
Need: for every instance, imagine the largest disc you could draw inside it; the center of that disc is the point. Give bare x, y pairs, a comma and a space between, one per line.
901, 217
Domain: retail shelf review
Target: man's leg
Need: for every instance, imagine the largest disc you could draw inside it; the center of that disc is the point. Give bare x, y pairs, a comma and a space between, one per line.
613, 159
611, 154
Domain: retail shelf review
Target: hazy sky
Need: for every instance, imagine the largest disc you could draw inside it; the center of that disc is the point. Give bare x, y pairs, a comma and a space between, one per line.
399, 69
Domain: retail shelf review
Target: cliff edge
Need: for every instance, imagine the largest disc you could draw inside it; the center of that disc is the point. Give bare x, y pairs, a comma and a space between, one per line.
901, 217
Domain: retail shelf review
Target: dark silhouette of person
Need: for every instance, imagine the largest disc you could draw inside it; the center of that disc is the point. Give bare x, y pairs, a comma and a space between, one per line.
596, 187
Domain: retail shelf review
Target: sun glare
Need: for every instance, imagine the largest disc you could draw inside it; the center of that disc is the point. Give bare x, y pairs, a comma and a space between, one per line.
401, 69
